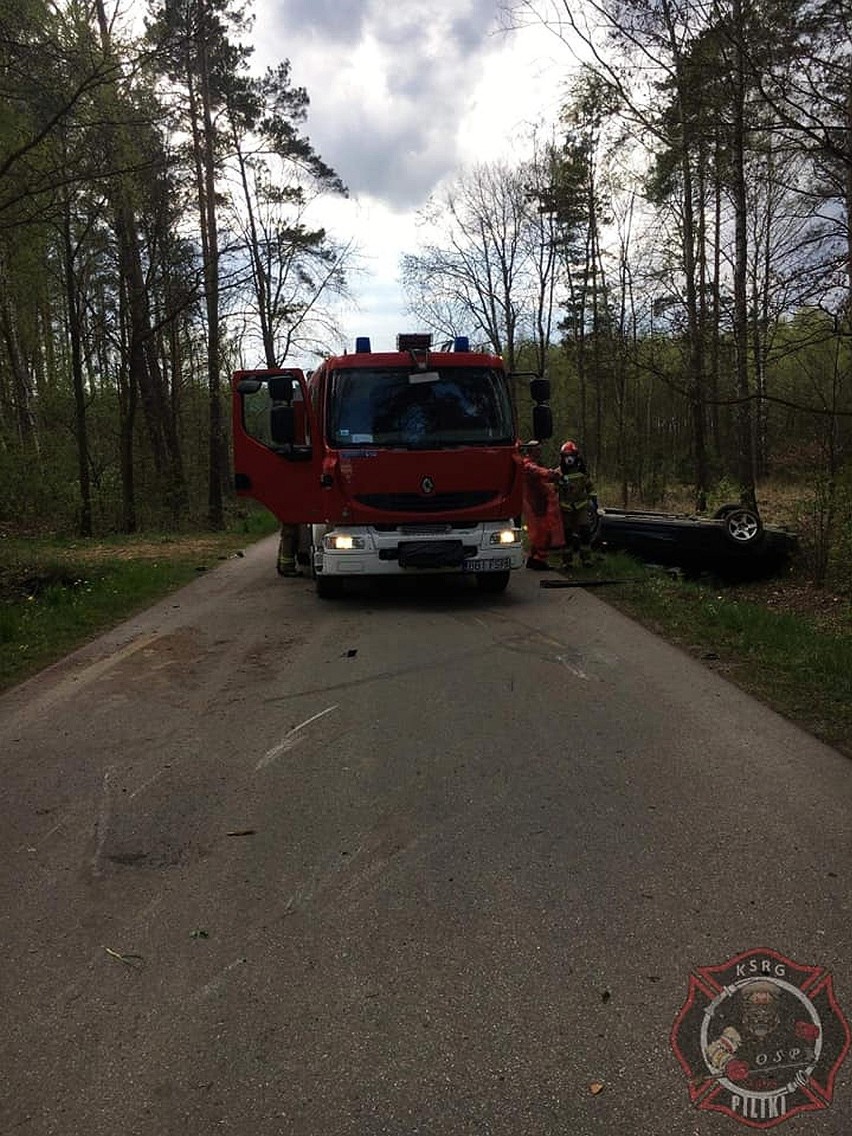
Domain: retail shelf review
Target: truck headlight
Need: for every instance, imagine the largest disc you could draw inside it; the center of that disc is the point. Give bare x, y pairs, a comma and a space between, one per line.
506, 536
342, 542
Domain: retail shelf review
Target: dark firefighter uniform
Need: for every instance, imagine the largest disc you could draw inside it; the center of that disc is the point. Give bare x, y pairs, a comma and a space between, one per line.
575, 497
286, 564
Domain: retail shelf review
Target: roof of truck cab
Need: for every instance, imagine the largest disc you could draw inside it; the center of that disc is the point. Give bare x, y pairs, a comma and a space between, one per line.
404, 359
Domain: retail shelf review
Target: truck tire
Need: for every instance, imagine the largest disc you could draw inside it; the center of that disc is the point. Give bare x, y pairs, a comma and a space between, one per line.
492, 582
329, 587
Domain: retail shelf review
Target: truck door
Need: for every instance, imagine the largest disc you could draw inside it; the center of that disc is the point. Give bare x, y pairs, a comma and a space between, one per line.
277, 446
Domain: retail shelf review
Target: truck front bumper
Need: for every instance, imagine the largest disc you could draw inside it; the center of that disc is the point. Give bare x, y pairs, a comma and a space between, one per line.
417, 549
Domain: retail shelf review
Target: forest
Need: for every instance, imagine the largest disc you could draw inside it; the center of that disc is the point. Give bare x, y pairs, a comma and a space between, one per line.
154, 236
675, 255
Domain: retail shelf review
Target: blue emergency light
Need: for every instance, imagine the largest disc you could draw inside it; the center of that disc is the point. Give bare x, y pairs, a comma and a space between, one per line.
362, 345
462, 343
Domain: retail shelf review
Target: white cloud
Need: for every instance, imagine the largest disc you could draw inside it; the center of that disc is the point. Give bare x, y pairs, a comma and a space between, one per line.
389, 84
403, 95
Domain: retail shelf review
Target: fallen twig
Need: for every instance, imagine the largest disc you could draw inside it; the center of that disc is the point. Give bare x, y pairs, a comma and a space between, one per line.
587, 583
134, 961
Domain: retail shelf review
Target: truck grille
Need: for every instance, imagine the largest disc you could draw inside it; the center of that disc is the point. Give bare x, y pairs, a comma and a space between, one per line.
424, 528
417, 503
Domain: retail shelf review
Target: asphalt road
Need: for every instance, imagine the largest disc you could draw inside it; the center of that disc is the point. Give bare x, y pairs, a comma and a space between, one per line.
419, 861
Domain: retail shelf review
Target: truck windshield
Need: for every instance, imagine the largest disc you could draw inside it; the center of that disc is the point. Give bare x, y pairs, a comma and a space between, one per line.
450, 406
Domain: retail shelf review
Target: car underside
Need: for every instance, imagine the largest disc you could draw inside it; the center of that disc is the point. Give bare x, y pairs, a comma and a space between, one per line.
731, 543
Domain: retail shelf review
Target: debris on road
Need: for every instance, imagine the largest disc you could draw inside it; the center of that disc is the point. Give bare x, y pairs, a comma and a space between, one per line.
586, 583
134, 961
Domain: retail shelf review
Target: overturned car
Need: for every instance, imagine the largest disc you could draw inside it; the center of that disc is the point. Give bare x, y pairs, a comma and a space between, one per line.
733, 543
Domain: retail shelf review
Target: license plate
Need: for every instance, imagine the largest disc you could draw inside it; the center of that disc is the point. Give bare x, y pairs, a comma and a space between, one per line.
498, 565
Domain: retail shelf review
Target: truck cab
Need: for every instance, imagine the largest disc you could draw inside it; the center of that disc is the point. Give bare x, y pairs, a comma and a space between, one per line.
404, 462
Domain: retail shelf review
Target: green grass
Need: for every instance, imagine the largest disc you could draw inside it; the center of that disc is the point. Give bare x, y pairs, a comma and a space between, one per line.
56, 594
797, 662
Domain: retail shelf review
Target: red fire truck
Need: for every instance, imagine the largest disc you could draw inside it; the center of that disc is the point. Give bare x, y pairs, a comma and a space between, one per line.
391, 463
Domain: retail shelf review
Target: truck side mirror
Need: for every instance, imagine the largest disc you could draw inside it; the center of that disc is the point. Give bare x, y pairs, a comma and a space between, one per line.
248, 386
282, 426
280, 388
542, 422
540, 390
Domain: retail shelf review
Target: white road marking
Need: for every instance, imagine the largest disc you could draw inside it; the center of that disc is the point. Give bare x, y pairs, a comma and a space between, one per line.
290, 739
215, 983
146, 784
102, 824
572, 667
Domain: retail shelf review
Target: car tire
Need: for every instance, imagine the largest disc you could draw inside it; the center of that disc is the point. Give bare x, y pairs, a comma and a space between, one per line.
594, 524
743, 527
724, 510
492, 582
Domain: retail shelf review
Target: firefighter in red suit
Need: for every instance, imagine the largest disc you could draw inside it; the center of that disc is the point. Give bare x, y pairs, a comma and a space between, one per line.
541, 508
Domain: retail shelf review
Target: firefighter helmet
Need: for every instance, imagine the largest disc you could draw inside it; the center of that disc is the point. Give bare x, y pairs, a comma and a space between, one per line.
569, 455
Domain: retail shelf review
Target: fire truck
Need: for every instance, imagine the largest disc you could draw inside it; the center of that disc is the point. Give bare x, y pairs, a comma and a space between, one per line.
391, 463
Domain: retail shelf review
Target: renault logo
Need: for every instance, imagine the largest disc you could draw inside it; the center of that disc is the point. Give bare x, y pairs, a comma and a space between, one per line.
427, 486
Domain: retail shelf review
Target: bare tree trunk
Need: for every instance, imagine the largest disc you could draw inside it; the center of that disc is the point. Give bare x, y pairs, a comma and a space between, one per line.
741, 337
694, 329
761, 283
694, 335
21, 395
77, 380
258, 268
206, 166
716, 321
143, 365
848, 203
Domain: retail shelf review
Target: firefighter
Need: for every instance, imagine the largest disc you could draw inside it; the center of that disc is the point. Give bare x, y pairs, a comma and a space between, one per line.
541, 508
575, 498
287, 545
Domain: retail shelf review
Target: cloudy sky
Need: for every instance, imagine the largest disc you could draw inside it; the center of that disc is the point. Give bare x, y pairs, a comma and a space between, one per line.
403, 94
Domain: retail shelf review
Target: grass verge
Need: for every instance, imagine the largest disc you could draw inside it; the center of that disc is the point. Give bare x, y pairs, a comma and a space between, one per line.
57, 594
787, 644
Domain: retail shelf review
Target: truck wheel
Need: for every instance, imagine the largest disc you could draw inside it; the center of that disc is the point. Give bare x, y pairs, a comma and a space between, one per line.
492, 582
329, 587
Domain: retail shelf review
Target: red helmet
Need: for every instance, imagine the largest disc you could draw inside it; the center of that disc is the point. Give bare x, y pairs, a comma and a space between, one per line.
569, 456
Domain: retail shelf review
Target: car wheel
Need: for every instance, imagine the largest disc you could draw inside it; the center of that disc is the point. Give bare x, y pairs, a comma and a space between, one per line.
743, 527
594, 524
492, 582
725, 510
